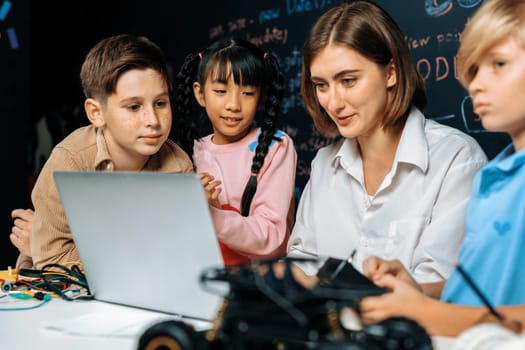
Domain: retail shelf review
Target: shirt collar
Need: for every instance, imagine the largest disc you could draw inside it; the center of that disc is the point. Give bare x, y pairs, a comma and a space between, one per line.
103, 160
505, 163
347, 156
413, 145
412, 148
508, 159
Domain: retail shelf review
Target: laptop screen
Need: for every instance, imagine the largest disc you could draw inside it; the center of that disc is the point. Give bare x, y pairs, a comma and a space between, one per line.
143, 238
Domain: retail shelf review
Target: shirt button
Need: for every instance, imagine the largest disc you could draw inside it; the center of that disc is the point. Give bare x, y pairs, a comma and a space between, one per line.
364, 242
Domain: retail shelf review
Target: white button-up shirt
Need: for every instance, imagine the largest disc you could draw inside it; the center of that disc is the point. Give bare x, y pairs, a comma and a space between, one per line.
417, 214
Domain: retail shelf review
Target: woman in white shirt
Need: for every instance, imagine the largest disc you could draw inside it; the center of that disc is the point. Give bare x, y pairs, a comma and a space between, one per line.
396, 184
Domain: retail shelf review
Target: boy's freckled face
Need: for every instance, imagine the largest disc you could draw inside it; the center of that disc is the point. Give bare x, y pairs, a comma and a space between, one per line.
138, 115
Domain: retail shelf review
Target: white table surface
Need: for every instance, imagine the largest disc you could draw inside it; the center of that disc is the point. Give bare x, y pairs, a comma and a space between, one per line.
80, 325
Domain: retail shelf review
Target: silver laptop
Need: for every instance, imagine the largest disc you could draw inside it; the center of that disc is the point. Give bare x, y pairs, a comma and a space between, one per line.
143, 238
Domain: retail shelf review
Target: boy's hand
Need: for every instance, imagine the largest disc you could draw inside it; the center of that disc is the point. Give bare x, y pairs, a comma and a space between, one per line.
403, 300
211, 189
20, 233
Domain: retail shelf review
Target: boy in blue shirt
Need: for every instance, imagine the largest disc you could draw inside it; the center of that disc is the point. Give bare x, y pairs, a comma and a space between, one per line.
491, 66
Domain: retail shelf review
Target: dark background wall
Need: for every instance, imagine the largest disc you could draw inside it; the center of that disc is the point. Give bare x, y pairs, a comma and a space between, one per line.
41, 99
15, 44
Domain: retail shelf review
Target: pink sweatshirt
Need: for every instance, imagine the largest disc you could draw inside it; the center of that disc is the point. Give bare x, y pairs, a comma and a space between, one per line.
264, 233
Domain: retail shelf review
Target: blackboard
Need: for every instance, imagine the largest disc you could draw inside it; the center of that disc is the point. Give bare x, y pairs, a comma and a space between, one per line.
43, 44
432, 30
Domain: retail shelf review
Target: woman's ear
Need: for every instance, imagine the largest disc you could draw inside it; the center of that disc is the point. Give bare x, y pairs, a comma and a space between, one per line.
94, 112
391, 76
198, 91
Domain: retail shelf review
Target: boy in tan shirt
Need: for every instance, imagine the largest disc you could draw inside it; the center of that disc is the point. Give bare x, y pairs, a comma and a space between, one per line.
127, 84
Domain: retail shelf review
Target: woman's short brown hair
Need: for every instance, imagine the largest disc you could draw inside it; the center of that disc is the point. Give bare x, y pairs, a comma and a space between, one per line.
365, 27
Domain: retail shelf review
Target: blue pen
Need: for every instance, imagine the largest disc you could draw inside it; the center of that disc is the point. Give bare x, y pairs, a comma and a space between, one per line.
478, 292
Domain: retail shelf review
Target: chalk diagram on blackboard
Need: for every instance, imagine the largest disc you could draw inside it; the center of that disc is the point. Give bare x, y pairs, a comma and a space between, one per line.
470, 120
433, 32
434, 8
10, 32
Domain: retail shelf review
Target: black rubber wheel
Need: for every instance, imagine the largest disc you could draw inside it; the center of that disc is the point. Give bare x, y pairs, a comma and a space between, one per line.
399, 333
168, 335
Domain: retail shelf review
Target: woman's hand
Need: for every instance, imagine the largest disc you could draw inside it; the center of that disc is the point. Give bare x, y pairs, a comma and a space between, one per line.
375, 268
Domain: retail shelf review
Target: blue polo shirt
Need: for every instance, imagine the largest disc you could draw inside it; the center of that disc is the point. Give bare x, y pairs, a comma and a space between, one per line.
493, 251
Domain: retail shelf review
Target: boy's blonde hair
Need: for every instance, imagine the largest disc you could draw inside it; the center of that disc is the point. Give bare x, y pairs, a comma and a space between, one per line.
493, 22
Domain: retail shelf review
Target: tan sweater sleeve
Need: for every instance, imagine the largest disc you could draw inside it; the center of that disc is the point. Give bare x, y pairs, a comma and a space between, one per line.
51, 239
24, 262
